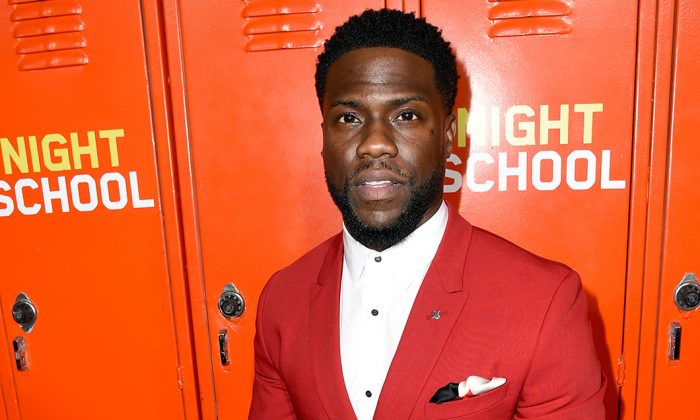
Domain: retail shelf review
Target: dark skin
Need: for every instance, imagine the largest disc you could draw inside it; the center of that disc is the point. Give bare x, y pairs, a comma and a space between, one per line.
384, 123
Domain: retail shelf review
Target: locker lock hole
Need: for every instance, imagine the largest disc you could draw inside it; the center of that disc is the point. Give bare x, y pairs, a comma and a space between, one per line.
687, 294
24, 312
231, 303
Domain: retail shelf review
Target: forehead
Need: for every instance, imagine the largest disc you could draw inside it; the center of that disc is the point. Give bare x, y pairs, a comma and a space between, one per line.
386, 69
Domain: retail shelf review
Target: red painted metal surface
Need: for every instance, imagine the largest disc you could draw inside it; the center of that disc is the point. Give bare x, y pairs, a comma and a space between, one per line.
655, 56
547, 156
257, 190
578, 147
250, 128
675, 382
84, 202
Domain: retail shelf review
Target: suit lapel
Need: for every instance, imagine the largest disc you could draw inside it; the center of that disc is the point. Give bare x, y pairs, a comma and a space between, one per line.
324, 334
424, 336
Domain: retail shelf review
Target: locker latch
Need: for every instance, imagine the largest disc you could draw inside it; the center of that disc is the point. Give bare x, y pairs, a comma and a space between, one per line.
231, 302
687, 293
24, 312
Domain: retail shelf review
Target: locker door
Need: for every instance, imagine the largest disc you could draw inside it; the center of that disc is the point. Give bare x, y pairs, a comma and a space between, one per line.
548, 93
674, 377
83, 245
250, 140
546, 157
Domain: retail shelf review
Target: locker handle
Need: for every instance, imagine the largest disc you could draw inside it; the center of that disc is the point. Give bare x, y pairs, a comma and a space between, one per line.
223, 347
674, 342
20, 354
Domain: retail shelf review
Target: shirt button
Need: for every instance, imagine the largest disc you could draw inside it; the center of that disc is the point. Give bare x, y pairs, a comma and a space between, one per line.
368, 394
378, 259
375, 312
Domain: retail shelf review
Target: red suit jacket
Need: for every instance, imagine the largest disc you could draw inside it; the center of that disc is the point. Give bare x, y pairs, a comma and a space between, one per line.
503, 312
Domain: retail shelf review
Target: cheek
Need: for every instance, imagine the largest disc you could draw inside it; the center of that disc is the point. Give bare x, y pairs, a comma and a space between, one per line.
424, 156
334, 163
340, 153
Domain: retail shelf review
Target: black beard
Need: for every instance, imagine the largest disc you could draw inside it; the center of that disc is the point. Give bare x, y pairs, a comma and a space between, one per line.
421, 197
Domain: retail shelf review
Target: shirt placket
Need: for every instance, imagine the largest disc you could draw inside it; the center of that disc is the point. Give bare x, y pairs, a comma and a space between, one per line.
375, 302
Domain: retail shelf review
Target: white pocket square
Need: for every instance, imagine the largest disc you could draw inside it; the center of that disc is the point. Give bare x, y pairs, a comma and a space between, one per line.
475, 385
470, 387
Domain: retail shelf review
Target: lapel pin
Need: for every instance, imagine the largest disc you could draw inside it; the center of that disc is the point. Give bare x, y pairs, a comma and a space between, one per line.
436, 314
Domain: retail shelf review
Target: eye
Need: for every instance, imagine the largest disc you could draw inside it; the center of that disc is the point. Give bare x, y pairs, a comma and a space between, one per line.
348, 119
407, 116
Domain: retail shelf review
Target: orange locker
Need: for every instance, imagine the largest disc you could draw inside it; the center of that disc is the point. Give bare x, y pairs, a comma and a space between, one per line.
669, 337
545, 160
93, 304
161, 159
250, 126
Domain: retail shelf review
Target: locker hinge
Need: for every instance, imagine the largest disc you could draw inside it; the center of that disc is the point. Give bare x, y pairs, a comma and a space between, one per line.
181, 377
621, 370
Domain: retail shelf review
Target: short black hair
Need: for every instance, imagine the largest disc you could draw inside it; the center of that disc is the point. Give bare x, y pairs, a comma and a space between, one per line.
393, 29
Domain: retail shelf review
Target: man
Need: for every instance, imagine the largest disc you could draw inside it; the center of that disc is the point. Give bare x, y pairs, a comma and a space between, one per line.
390, 318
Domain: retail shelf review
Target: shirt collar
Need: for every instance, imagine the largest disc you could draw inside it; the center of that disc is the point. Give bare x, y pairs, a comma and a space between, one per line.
412, 255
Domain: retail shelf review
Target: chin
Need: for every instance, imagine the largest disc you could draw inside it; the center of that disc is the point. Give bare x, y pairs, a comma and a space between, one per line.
381, 229
378, 220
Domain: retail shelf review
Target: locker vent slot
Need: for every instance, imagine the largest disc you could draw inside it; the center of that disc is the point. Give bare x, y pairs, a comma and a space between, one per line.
404, 5
528, 17
48, 33
281, 24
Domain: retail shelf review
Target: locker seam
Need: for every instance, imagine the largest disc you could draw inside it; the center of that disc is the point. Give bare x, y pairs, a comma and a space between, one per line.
667, 179
176, 198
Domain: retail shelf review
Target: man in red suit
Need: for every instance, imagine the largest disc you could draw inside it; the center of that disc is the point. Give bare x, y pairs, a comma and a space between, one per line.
411, 312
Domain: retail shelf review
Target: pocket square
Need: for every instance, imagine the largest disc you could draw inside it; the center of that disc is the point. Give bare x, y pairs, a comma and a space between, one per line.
470, 387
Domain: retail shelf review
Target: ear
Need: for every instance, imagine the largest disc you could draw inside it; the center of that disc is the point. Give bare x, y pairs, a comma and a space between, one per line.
450, 130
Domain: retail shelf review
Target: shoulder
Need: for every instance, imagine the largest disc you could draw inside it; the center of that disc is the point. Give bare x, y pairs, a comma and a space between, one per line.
310, 262
293, 281
497, 267
506, 258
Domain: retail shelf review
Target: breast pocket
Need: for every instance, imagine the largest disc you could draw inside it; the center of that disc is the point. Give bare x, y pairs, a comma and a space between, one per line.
465, 406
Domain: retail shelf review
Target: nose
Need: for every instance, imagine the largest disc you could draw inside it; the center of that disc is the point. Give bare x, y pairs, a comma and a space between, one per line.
377, 141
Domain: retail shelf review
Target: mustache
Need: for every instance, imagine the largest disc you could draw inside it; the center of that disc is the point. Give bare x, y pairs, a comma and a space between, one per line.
377, 164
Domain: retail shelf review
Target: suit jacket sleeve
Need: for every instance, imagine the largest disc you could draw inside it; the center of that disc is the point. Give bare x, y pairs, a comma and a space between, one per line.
565, 379
270, 396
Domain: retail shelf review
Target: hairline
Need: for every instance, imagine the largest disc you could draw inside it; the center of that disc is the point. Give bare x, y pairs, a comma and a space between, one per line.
359, 48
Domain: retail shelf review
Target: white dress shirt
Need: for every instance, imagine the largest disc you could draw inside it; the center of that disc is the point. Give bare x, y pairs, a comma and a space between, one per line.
376, 295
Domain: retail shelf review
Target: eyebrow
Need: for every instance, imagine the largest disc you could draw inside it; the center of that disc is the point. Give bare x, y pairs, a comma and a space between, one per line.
393, 102
351, 104
403, 101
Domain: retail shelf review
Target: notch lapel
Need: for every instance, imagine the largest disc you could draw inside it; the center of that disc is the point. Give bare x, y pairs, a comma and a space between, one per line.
324, 335
424, 336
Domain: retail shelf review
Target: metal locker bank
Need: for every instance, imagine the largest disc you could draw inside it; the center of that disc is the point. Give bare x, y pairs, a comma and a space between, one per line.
160, 160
